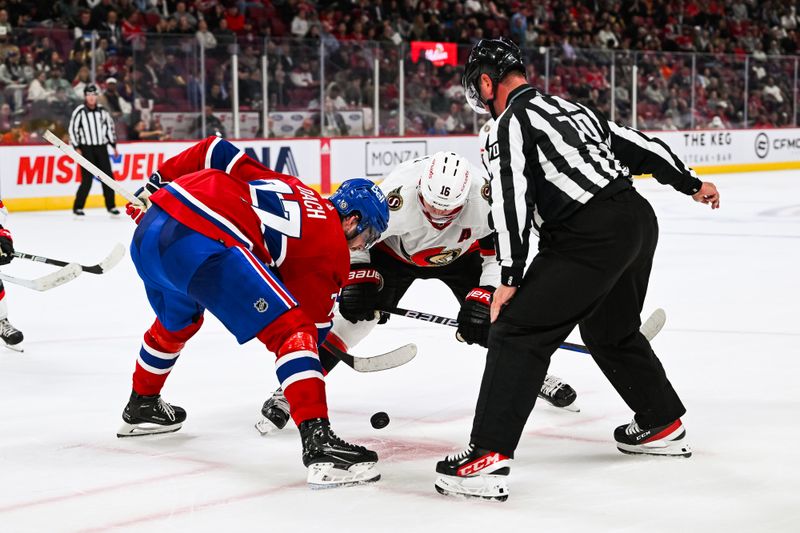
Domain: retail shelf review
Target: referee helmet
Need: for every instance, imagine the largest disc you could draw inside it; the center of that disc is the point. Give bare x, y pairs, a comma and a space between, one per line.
495, 58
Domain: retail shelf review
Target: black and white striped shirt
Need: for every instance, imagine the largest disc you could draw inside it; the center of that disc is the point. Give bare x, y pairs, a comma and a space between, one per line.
547, 157
92, 127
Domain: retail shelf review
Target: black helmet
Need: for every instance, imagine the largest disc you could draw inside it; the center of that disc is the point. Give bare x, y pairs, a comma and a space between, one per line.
493, 57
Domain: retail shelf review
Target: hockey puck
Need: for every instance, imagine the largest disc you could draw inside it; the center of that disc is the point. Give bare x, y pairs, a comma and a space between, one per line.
379, 420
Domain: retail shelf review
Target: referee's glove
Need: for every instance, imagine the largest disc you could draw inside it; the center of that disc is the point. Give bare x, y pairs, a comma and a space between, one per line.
473, 318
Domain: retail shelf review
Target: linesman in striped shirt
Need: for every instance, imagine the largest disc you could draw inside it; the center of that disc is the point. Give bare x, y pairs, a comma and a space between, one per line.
562, 170
91, 131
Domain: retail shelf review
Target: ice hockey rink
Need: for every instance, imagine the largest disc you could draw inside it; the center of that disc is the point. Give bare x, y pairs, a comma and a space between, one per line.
728, 281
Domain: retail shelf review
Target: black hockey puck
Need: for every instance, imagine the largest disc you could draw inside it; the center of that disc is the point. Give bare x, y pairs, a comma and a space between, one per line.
379, 420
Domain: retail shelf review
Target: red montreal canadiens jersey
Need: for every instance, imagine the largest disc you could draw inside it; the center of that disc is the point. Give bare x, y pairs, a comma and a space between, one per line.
218, 191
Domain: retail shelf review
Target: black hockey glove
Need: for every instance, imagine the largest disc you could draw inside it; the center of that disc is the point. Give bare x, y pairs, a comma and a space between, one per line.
473, 318
6, 246
359, 297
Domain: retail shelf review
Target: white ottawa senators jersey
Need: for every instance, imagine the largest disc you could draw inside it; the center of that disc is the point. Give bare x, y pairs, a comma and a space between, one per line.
412, 238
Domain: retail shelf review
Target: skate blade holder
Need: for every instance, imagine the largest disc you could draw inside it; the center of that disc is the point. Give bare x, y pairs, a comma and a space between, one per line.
326, 475
488, 487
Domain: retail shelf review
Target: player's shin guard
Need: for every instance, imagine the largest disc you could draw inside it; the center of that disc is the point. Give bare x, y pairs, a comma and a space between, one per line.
158, 354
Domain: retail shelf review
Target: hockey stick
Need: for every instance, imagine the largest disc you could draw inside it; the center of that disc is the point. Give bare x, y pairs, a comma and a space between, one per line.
102, 267
50, 281
375, 363
649, 329
89, 166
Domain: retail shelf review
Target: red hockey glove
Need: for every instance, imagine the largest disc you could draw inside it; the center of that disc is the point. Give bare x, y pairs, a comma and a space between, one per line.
473, 318
136, 213
359, 297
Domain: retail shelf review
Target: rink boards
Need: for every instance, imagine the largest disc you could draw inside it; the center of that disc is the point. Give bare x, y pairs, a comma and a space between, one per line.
38, 177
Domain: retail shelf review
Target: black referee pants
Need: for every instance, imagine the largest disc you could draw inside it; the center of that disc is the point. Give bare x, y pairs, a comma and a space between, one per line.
591, 270
99, 156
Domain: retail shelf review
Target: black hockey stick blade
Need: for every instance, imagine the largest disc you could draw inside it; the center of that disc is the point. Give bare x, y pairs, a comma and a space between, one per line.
50, 281
375, 363
111, 260
650, 328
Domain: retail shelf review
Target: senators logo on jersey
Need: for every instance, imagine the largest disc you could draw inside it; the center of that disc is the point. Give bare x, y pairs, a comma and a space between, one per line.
438, 256
394, 199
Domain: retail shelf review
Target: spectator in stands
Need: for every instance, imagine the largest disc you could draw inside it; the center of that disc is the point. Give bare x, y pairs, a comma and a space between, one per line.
119, 108
455, 122
142, 132
334, 124
110, 29
182, 13
172, 75
213, 125
300, 23
302, 75
85, 26
13, 78
205, 37
278, 89
307, 129
55, 82
234, 19
439, 127
772, 93
5, 25
37, 93
217, 99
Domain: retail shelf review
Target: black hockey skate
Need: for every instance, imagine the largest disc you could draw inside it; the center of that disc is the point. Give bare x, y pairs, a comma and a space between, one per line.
150, 415
668, 439
10, 336
333, 462
558, 394
275, 414
474, 473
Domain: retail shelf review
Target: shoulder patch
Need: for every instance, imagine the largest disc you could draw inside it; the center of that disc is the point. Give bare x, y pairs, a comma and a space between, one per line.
487, 127
486, 192
395, 199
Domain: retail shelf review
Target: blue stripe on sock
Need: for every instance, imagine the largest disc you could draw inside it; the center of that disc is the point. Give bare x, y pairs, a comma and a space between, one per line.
156, 362
300, 364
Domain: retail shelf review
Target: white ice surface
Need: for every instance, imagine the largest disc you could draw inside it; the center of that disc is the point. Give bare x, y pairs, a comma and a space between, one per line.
727, 279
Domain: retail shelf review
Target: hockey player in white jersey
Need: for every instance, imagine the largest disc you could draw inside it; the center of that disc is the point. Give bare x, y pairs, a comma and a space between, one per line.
438, 229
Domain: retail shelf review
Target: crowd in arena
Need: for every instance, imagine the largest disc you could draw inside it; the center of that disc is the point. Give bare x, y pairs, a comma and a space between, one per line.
145, 55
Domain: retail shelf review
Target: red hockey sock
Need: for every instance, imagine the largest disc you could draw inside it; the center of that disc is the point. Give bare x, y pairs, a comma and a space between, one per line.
297, 365
158, 354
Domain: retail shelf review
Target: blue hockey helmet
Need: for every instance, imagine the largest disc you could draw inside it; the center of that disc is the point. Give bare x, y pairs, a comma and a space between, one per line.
360, 196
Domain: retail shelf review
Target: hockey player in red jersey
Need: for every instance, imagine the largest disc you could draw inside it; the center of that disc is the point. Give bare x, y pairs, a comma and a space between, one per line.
267, 256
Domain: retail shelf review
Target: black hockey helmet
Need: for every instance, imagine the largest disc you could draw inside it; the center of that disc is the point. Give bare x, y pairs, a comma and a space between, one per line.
495, 58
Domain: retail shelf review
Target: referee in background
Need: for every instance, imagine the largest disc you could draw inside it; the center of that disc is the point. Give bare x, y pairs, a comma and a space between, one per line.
562, 169
91, 130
